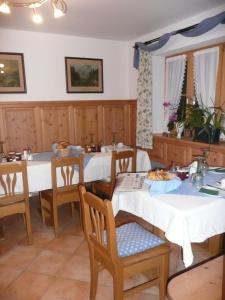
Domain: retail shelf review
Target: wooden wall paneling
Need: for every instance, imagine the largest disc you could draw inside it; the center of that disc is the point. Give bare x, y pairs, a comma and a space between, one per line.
54, 125
39, 123
2, 131
132, 122
86, 124
37, 115
126, 126
100, 125
20, 128
72, 138
113, 122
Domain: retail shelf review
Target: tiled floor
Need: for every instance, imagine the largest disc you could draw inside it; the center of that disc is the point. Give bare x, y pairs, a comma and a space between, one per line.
57, 269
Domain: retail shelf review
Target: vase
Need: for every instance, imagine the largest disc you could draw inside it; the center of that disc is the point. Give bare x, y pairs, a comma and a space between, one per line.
180, 129
210, 137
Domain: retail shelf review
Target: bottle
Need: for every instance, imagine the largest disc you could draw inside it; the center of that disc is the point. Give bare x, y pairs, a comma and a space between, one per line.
25, 153
29, 154
173, 167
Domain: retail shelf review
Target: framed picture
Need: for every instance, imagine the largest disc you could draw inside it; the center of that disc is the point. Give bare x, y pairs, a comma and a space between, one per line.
12, 74
84, 75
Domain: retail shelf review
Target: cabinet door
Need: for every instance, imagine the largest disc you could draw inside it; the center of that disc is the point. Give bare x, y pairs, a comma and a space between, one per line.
177, 154
158, 152
215, 159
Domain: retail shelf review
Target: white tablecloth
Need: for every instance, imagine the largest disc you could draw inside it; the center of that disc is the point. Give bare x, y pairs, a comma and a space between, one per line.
98, 167
184, 219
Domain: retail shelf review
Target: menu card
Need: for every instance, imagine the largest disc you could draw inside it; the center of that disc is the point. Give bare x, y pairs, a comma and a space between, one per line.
128, 182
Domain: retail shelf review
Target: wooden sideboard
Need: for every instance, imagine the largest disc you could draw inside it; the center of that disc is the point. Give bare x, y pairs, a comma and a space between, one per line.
167, 149
38, 124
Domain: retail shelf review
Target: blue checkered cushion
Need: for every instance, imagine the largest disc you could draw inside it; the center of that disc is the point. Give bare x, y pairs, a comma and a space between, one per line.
133, 238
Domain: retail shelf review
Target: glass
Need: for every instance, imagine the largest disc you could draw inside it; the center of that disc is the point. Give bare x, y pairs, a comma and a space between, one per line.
197, 180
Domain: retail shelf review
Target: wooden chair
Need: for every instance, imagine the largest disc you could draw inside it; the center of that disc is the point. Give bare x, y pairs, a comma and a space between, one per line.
120, 162
63, 170
123, 251
11, 201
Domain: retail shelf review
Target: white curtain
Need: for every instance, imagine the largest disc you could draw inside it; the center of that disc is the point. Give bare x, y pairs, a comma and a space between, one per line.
144, 101
175, 70
205, 75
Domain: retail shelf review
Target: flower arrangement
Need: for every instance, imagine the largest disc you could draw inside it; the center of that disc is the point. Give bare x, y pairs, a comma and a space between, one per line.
207, 122
170, 115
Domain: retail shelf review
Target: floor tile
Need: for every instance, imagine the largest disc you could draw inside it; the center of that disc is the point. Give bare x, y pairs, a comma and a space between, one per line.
76, 268
66, 289
7, 275
48, 262
83, 249
65, 243
19, 257
28, 286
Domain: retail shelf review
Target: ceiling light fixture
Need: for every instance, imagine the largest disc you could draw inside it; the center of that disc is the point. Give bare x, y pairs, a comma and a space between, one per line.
59, 7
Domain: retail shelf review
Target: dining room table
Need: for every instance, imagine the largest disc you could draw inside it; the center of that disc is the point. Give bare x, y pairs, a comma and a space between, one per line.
185, 215
97, 165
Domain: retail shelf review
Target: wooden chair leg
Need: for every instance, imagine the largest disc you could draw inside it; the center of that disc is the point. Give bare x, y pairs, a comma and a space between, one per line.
164, 278
94, 277
118, 286
55, 219
28, 225
42, 210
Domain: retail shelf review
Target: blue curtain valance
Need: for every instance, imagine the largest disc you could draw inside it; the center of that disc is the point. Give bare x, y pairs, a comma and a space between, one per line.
203, 27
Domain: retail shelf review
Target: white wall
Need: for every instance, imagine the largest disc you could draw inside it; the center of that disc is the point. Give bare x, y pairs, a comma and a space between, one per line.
44, 56
175, 45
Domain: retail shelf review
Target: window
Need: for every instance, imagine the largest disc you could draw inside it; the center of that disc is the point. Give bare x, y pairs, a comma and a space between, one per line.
188, 88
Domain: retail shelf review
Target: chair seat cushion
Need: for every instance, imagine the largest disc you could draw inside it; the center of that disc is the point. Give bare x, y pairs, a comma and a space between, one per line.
133, 238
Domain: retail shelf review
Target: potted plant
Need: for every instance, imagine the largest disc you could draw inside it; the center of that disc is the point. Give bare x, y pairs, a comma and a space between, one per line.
207, 123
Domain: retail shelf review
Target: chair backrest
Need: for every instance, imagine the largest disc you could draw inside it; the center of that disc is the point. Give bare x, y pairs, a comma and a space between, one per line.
121, 161
99, 226
13, 182
64, 171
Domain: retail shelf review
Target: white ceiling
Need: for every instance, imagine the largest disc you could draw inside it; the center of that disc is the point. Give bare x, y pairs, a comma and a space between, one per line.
109, 19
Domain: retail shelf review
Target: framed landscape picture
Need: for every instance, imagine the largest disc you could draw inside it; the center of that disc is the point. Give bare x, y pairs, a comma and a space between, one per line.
12, 74
84, 75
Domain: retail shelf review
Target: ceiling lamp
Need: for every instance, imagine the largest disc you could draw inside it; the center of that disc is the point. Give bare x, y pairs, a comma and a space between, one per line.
59, 7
